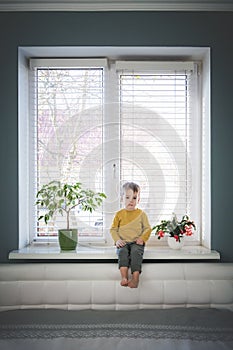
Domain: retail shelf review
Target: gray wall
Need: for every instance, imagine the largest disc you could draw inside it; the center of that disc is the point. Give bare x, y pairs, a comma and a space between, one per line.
121, 28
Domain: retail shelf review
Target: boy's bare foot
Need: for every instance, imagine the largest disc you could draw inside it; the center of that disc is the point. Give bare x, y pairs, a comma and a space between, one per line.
133, 283
124, 282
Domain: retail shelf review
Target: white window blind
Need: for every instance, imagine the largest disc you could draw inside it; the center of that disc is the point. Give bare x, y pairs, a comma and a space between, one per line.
68, 132
160, 140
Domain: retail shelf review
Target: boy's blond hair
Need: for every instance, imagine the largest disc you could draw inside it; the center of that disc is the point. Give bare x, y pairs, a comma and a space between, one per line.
132, 186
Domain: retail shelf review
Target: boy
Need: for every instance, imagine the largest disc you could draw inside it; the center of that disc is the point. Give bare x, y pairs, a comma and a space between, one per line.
130, 230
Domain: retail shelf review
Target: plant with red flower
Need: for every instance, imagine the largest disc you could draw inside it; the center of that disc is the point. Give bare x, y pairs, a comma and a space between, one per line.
175, 228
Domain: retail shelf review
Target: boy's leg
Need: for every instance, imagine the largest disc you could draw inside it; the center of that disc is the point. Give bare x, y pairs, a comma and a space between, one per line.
137, 252
123, 262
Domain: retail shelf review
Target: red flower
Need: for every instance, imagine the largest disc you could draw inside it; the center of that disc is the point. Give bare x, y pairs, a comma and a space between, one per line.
161, 233
176, 238
188, 230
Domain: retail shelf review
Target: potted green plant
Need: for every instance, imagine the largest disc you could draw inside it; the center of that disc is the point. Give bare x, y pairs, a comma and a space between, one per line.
175, 230
56, 196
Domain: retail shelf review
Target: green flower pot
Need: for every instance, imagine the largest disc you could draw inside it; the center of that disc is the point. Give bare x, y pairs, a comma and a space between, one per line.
68, 239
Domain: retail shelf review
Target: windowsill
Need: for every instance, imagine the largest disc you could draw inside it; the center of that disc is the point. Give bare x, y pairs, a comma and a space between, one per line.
85, 252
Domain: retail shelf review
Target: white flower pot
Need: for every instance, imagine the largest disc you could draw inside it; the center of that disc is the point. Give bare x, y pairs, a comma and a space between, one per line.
174, 244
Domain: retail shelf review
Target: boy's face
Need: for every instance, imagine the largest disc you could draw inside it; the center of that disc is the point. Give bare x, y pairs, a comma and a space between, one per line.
130, 199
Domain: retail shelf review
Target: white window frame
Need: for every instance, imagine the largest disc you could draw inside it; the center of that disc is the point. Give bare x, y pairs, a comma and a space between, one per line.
25, 202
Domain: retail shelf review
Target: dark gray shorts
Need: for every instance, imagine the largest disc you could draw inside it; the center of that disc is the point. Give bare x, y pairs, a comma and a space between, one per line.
131, 255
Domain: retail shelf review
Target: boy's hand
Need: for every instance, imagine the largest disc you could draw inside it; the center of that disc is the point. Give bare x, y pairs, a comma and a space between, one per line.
139, 241
120, 243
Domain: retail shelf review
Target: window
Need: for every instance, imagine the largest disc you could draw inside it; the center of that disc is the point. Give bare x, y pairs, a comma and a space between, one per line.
106, 121
68, 134
159, 119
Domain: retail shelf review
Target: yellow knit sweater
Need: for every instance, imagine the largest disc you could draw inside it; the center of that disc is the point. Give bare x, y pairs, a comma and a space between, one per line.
129, 225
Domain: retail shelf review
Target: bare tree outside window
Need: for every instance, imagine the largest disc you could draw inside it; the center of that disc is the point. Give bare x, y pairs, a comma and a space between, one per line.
69, 130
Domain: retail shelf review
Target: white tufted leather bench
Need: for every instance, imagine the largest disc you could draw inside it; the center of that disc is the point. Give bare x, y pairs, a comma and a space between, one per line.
79, 286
